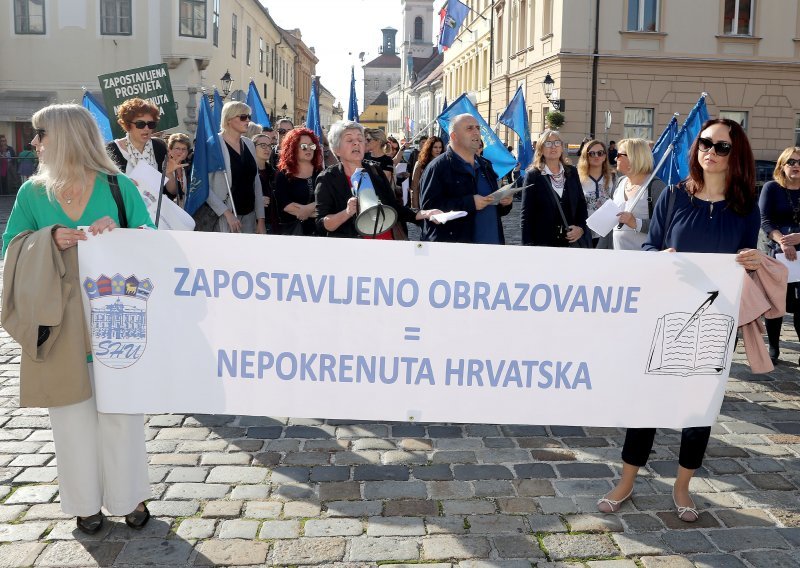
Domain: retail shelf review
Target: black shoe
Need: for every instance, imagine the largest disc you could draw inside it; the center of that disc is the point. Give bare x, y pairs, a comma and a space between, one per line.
138, 519
90, 525
774, 354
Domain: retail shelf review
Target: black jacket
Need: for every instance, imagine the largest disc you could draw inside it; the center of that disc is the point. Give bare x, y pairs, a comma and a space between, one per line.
159, 151
540, 218
447, 185
333, 191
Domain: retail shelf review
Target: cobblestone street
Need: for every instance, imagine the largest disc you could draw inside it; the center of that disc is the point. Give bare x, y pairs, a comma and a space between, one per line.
274, 491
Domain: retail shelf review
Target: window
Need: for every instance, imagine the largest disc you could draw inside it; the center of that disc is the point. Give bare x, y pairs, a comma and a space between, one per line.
193, 18
545, 110
642, 15
797, 130
547, 18
739, 17
418, 28
739, 116
261, 55
267, 60
234, 25
29, 17
215, 23
638, 123
523, 24
248, 45
499, 35
265, 91
115, 17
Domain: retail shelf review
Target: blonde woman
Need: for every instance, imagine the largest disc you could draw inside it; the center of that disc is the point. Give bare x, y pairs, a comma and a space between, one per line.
635, 164
553, 207
240, 181
597, 181
102, 461
376, 151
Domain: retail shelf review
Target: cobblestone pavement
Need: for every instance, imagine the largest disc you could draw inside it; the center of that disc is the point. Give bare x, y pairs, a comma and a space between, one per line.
253, 491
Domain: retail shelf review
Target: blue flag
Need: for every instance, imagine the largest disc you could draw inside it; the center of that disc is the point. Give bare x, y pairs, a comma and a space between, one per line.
312, 119
352, 107
260, 115
207, 159
454, 13
688, 132
443, 131
516, 118
217, 114
668, 173
99, 113
493, 149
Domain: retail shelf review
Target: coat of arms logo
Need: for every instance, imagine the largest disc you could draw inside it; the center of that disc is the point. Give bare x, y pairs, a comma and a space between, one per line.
119, 318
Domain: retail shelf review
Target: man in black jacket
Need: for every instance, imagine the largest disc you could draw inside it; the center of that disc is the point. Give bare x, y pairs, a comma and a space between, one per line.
460, 180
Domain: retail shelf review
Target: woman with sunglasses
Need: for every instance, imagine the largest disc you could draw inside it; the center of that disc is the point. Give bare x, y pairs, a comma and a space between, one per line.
553, 206
597, 181
714, 211
299, 165
239, 181
264, 144
139, 119
376, 152
102, 458
780, 220
635, 164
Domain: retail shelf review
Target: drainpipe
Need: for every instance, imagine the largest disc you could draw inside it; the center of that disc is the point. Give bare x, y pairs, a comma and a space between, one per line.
595, 62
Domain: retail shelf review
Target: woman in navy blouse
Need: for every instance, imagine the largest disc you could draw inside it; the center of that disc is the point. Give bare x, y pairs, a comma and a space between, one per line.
780, 220
715, 211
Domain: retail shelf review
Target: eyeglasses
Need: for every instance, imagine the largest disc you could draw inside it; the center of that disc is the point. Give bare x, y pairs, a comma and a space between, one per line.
367, 139
40, 132
596, 154
720, 148
553, 143
791, 162
140, 124
311, 147
622, 154
263, 145
282, 131
244, 117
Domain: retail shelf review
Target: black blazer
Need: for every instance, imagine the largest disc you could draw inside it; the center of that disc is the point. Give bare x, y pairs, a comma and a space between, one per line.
540, 218
159, 151
333, 191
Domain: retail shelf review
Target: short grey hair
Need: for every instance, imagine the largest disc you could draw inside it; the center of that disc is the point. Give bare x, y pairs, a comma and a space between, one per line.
456, 119
338, 129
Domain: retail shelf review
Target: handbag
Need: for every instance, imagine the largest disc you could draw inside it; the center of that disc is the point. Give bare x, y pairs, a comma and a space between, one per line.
205, 219
586, 239
294, 228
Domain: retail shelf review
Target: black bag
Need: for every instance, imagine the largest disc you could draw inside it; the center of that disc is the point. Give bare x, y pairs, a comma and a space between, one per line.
205, 219
293, 229
586, 239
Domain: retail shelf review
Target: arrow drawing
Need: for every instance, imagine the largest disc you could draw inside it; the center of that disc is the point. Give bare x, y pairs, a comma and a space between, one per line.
700, 311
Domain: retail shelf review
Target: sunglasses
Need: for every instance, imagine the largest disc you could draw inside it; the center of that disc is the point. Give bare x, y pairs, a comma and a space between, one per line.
311, 147
720, 148
553, 143
791, 162
263, 145
282, 131
40, 132
244, 117
140, 124
596, 154
623, 154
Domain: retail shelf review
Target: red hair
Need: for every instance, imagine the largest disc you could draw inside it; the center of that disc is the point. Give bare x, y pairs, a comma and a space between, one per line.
290, 146
740, 186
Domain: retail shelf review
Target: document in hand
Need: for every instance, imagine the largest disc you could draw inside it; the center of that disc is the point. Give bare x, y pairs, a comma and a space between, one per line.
449, 216
605, 218
792, 265
172, 217
504, 192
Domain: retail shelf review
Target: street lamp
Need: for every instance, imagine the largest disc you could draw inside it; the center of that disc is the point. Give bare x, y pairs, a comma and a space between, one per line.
547, 87
226, 84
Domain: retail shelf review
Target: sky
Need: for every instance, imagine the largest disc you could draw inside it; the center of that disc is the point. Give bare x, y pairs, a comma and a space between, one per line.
338, 31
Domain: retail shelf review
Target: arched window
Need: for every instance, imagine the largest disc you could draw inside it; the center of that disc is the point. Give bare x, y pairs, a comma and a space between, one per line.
418, 28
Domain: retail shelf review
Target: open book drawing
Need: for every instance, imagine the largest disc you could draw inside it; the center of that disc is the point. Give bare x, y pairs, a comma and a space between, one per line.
700, 349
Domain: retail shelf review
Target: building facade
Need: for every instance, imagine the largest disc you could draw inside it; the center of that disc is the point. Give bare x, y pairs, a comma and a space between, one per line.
304, 68
652, 60
383, 72
71, 42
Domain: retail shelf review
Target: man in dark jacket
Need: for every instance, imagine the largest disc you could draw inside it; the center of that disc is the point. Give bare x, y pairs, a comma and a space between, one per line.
460, 180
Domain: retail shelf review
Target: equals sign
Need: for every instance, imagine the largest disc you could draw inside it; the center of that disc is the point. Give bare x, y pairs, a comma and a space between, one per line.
412, 334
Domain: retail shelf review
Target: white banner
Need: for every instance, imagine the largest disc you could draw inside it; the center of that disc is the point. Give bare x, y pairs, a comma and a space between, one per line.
397, 331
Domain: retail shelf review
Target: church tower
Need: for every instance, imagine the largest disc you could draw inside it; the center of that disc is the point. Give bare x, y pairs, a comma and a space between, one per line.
417, 32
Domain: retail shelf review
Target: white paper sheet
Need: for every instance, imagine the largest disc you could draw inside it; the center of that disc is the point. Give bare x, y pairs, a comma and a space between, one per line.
401, 168
504, 192
605, 218
449, 216
792, 265
405, 187
172, 216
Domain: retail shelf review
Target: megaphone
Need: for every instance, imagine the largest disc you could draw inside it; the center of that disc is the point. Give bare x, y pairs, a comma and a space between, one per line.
373, 216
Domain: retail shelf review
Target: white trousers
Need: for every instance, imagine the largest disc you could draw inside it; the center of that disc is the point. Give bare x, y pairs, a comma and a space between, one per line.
102, 459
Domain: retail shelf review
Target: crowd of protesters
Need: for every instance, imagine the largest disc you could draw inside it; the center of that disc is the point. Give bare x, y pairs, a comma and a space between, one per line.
289, 181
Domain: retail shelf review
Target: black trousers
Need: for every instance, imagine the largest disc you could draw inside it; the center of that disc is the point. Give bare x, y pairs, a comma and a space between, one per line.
639, 443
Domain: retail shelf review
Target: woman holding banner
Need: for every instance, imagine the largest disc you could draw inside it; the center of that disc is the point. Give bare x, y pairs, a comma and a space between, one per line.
553, 206
713, 211
635, 163
236, 195
102, 460
298, 167
336, 205
597, 181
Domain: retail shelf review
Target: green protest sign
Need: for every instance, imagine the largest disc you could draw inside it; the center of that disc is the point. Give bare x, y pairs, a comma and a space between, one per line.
150, 83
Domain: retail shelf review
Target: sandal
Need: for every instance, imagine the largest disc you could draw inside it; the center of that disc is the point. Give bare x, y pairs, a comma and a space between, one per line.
138, 519
686, 514
90, 524
606, 505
